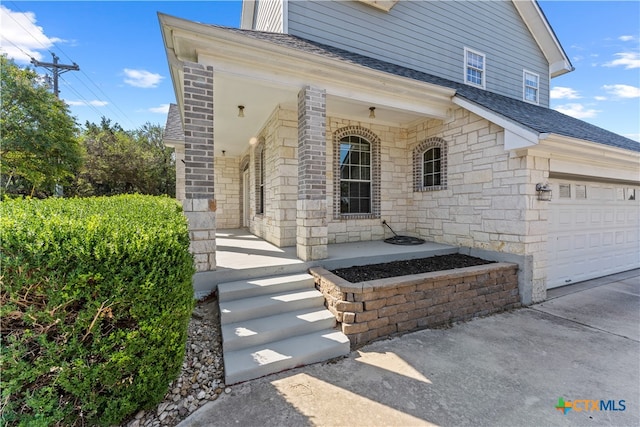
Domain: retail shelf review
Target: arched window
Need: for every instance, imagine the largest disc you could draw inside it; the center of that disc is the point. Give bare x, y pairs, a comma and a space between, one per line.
430, 165
357, 173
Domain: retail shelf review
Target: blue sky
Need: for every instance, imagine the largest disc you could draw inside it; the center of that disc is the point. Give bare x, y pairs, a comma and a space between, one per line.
124, 74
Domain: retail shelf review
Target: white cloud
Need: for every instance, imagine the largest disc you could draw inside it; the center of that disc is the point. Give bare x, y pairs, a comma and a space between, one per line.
600, 98
161, 109
142, 78
559, 92
628, 60
622, 91
21, 38
577, 111
94, 103
626, 38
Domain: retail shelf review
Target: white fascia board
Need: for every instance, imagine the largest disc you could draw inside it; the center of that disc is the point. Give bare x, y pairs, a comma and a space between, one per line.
590, 152
516, 136
285, 16
248, 14
544, 36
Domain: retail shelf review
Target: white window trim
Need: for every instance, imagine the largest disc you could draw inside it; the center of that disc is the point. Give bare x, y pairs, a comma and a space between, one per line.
484, 70
524, 87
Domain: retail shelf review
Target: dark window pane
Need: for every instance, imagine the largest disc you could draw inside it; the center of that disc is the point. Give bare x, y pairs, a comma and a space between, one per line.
344, 172
355, 172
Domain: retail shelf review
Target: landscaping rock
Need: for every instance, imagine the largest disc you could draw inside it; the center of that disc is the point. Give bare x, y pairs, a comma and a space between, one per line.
202, 372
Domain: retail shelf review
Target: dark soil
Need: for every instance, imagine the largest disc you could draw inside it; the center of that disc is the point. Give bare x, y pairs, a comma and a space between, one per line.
403, 268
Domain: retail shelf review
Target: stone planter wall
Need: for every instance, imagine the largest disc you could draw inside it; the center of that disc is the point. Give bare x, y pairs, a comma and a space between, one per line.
380, 308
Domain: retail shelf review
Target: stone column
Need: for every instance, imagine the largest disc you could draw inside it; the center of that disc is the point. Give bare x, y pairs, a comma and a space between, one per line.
199, 203
311, 219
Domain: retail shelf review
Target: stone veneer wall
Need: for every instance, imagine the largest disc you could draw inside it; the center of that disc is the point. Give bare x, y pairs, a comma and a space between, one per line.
280, 138
380, 308
490, 201
227, 184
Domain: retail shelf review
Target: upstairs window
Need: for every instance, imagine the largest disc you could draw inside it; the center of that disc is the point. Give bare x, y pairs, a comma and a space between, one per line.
531, 82
474, 68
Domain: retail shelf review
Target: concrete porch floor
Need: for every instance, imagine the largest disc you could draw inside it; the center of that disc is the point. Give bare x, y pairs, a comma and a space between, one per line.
241, 255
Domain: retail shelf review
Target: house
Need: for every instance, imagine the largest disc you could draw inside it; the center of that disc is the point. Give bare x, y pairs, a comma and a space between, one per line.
316, 120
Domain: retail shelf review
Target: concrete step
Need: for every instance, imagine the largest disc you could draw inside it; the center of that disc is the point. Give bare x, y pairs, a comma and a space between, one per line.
264, 285
268, 305
254, 332
254, 362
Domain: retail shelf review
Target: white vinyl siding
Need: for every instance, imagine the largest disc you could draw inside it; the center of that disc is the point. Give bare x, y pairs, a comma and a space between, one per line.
429, 36
269, 16
531, 87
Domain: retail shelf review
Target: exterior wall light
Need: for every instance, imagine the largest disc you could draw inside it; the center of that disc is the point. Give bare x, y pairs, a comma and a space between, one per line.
240, 110
372, 112
544, 192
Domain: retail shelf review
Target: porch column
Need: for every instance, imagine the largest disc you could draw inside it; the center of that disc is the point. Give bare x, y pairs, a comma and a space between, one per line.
311, 218
199, 203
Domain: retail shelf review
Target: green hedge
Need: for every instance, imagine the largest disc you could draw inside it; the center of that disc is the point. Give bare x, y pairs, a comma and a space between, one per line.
96, 299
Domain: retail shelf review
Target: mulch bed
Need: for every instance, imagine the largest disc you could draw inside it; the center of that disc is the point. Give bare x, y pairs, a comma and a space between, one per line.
403, 268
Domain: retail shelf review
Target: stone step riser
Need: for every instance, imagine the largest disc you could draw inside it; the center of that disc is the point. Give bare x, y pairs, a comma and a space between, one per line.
256, 362
236, 336
264, 286
268, 305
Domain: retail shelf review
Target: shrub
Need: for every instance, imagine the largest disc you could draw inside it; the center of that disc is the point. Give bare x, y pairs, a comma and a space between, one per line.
96, 297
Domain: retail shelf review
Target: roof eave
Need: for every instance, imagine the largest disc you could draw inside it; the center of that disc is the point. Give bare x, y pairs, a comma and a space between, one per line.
248, 14
542, 32
517, 136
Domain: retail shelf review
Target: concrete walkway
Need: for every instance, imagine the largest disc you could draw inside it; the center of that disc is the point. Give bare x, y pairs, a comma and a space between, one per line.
505, 370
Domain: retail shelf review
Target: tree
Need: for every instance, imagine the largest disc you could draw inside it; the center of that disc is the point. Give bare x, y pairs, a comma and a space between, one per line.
38, 136
119, 161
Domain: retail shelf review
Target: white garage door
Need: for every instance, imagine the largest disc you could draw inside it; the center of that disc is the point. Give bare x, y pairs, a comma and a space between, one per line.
593, 231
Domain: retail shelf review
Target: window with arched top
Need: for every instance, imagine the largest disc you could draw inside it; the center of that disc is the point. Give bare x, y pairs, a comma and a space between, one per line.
430, 165
356, 173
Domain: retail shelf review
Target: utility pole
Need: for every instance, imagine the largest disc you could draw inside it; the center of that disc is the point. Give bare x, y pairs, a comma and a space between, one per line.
57, 69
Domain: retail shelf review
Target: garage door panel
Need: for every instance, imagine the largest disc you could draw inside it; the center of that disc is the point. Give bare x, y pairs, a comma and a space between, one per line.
592, 237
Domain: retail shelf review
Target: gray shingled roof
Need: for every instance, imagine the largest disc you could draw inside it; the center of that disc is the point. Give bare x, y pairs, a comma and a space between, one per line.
173, 127
539, 119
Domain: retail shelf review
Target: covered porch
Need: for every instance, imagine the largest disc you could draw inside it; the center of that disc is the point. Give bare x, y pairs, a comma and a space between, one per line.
241, 255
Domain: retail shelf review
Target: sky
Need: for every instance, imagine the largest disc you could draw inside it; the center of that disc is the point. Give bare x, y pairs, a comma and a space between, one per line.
124, 74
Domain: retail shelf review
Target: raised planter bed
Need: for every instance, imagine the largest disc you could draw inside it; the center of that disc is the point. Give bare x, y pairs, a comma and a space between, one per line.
380, 308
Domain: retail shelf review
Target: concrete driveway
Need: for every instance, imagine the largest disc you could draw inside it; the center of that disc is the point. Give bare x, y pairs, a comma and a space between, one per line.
509, 369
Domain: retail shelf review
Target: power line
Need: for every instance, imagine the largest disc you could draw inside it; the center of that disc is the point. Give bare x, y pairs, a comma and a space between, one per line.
110, 103
56, 68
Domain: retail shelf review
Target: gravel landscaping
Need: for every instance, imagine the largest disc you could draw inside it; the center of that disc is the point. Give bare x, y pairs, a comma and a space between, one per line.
202, 376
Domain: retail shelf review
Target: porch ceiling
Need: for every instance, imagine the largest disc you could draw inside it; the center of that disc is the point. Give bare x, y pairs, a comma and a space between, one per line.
233, 134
